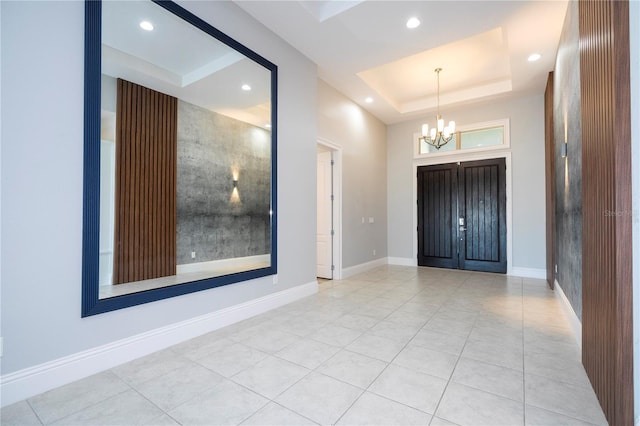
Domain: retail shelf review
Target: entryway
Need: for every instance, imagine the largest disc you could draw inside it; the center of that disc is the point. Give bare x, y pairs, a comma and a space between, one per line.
462, 216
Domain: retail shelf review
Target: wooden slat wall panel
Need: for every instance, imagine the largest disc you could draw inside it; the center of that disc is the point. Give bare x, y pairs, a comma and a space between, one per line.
607, 343
550, 179
146, 168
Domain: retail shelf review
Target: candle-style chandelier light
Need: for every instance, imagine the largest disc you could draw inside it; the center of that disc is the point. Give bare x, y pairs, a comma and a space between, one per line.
439, 135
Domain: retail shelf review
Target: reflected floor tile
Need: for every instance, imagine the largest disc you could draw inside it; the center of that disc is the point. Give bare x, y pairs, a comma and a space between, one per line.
227, 403
450, 326
376, 347
271, 341
308, 353
437, 421
63, 401
126, 408
232, 360
535, 416
371, 409
201, 346
413, 320
435, 363
320, 398
376, 312
541, 345
353, 368
163, 420
335, 335
509, 356
179, 386
19, 414
490, 378
409, 387
271, 376
564, 369
301, 326
437, 341
496, 334
150, 366
467, 406
400, 333
276, 415
356, 322
564, 398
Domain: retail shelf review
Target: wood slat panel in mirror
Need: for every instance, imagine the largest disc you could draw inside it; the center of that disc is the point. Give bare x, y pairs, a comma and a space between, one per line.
146, 149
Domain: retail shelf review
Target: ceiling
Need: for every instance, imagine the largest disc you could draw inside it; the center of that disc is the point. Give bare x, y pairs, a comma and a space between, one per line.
364, 49
208, 74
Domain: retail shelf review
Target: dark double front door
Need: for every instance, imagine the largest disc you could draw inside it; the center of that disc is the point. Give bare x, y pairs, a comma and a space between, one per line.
462, 216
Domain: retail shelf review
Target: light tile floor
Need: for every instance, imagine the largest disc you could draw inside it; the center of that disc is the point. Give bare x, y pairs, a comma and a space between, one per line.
393, 346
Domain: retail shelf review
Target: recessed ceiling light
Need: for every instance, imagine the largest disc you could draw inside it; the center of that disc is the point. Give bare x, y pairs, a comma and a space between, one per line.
413, 22
534, 57
146, 25
369, 100
268, 126
246, 87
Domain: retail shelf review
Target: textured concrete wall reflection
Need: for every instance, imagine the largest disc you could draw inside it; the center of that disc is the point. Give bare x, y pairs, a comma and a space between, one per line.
214, 219
568, 127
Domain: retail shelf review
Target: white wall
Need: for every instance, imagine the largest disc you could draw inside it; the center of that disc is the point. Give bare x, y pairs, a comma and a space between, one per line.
42, 145
364, 168
526, 116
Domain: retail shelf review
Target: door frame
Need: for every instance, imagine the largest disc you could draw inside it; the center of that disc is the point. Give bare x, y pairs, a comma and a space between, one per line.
462, 157
337, 204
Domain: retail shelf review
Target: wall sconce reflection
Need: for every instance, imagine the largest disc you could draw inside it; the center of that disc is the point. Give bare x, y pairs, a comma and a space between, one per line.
563, 150
235, 196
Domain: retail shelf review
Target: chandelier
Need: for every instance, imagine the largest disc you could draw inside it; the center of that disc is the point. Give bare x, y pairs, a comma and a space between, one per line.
439, 135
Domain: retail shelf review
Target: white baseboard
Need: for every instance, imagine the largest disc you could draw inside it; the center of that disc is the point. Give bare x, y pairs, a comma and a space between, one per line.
363, 267
32, 381
402, 261
574, 321
518, 271
515, 271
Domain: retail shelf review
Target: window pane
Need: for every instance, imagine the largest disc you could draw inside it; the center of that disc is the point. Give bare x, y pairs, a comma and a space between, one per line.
450, 146
484, 137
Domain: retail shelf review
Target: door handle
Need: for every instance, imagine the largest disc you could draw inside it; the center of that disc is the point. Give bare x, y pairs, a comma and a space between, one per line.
462, 228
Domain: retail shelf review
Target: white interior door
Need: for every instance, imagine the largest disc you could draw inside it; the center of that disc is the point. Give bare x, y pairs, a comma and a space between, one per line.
324, 225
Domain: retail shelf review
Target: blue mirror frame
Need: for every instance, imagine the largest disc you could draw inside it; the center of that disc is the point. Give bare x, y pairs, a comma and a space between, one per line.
91, 303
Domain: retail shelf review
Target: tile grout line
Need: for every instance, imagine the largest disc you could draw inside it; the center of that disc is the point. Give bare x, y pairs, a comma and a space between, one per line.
34, 412
381, 371
457, 360
388, 362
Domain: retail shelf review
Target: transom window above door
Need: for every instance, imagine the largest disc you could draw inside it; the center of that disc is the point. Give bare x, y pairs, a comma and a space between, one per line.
484, 136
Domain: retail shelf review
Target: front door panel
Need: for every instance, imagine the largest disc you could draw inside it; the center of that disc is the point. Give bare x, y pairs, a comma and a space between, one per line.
462, 216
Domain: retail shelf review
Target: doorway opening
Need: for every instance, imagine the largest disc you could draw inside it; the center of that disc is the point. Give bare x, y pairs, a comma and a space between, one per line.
462, 215
329, 210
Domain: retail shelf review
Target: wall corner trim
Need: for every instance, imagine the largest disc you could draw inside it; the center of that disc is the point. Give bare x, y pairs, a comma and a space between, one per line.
34, 380
574, 321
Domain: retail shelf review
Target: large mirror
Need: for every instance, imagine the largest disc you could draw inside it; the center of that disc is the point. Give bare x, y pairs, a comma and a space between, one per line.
179, 156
